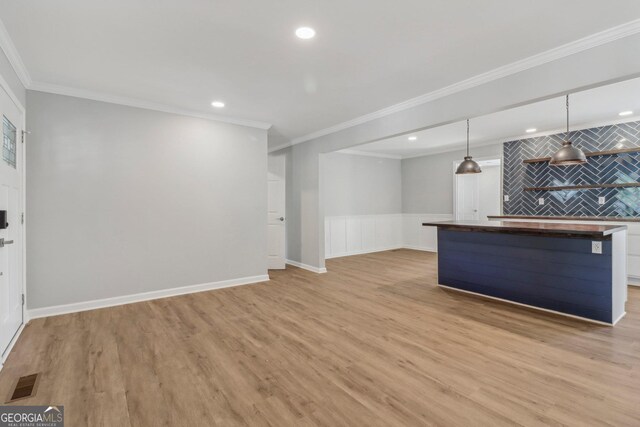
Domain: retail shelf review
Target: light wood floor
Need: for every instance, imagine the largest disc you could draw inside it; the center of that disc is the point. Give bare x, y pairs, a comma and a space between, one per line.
372, 342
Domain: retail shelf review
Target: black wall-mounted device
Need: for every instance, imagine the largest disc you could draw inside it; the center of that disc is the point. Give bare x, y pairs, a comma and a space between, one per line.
3, 220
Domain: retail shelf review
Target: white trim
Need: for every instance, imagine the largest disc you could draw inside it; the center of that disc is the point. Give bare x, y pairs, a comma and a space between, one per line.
24, 318
13, 342
633, 281
419, 248
369, 154
534, 307
307, 267
461, 146
618, 319
138, 103
144, 296
576, 46
279, 147
12, 95
456, 163
391, 248
362, 252
9, 49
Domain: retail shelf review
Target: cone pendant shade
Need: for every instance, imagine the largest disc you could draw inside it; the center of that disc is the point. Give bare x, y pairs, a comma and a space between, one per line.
468, 165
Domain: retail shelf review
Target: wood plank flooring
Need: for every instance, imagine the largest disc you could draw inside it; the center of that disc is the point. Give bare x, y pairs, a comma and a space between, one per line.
372, 342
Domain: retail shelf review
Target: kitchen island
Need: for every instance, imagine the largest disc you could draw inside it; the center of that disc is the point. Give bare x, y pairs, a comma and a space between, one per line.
577, 270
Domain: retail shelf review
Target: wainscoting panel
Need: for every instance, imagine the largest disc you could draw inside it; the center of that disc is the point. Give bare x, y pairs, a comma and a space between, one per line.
358, 234
350, 235
354, 235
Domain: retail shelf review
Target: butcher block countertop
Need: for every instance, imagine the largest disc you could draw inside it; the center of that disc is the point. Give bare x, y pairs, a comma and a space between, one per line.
586, 231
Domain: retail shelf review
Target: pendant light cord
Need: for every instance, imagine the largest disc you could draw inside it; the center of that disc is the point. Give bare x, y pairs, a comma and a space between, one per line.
567, 117
467, 137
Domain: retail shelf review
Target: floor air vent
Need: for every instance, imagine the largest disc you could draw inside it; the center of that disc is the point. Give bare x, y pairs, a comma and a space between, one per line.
25, 387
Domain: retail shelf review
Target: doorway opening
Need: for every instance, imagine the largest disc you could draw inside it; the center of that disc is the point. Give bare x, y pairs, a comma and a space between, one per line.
276, 206
477, 196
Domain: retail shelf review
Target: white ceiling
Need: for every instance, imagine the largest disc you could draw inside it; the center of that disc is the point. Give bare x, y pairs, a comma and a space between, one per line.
367, 55
592, 107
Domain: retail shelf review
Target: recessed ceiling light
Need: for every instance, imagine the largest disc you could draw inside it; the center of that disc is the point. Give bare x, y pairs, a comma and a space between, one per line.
305, 33
532, 130
625, 113
412, 138
217, 104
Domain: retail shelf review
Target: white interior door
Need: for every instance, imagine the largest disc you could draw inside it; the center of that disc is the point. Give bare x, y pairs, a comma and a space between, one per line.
467, 197
11, 196
276, 213
489, 191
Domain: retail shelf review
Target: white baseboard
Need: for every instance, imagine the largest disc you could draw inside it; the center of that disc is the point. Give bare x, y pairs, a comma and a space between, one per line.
11, 344
306, 266
145, 296
634, 281
363, 234
390, 248
420, 248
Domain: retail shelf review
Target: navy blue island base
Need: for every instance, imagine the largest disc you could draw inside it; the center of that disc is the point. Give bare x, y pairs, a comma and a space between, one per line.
552, 268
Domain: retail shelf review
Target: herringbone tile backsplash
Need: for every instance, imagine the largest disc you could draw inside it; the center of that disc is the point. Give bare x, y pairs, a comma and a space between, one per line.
618, 168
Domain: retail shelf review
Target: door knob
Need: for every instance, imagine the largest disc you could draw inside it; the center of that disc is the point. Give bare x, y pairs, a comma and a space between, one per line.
5, 242
281, 218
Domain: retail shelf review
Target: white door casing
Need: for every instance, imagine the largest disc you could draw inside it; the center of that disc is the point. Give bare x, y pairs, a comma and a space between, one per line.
276, 232
11, 200
475, 196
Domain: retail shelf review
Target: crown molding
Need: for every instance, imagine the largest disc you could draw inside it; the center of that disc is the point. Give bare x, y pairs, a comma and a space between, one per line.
585, 43
487, 142
580, 45
138, 103
9, 49
369, 154
279, 147
459, 146
4, 85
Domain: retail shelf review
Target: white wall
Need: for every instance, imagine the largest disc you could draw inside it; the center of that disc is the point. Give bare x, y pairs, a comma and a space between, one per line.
122, 201
361, 185
427, 181
592, 67
362, 202
358, 234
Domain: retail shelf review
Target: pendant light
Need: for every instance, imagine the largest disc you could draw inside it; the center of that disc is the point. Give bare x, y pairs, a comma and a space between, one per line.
468, 165
568, 155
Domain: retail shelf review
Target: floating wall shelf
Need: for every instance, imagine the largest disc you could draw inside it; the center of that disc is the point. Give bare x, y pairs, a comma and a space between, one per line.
583, 187
592, 154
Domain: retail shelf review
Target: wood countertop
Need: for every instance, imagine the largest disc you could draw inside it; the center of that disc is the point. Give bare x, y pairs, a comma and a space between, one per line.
568, 218
588, 231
